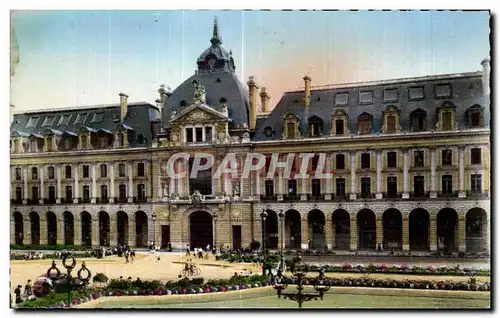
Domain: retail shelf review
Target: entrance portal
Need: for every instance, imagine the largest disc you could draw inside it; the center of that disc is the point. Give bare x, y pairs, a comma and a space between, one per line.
201, 230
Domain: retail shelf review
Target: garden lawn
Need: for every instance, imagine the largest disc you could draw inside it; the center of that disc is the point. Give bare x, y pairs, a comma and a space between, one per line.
403, 277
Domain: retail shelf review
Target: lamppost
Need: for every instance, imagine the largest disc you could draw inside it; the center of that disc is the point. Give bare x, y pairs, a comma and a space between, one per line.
282, 254
67, 283
215, 232
263, 216
299, 272
153, 217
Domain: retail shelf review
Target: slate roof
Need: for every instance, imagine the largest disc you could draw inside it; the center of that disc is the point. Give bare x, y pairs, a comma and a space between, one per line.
466, 89
139, 117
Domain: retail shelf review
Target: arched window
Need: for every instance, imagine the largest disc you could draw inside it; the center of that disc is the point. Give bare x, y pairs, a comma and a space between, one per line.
474, 116
339, 123
140, 139
183, 103
418, 119
315, 126
365, 124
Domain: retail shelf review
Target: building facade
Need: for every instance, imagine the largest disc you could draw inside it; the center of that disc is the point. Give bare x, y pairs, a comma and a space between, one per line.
408, 163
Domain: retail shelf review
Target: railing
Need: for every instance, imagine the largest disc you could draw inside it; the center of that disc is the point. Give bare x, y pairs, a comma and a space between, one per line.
49, 201
291, 197
315, 197
140, 199
391, 195
476, 194
33, 201
102, 200
451, 194
121, 200
366, 195
340, 197
419, 195
273, 197
16, 201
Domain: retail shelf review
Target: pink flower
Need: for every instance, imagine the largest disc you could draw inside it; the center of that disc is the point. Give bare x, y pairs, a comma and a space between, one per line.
431, 268
405, 267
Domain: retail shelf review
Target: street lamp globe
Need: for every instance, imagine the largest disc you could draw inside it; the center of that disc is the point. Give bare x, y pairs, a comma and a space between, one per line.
153, 217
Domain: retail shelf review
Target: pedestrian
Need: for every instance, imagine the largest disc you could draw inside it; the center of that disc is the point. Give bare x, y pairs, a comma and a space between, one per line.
126, 257
208, 248
187, 250
132, 256
28, 288
17, 291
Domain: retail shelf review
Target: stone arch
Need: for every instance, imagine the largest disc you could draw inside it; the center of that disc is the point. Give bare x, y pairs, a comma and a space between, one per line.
51, 228
392, 225
18, 228
293, 229
272, 225
86, 224
104, 228
476, 230
141, 229
69, 228
122, 225
366, 221
418, 228
447, 229
316, 228
35, 228
341, 226
201, 229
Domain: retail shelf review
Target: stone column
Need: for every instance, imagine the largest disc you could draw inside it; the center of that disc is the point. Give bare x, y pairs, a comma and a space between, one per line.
305, 233
329, 232
281, 187
25, 185
378, 195
280, 231
26, 231
130, 185
303, 189
354, 234
76, 190
461, 173
12, 231
95, 231
257, 183
461, 234
42, 183
328, 180
406, 194
406, 234
160, 187
61, 237
94, 186
113, 228
433, 232
43, 231
112, 184
131, 231
352, 195
379, 231
59, 186
77, 230
433, 194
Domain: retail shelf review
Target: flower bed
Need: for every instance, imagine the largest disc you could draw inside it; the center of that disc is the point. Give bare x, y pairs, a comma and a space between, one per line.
50, 247
22, 256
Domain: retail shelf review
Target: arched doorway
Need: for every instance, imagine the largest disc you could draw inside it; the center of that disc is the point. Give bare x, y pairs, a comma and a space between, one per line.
104, 228
476, 230
122, 226
18, 228
35, 228
366, 229
141, 229
51, 228
418, 226
342, 226
69, 230
272, 229
447, 221
201, 229
86, 228
392, 223
293, 228
316, 227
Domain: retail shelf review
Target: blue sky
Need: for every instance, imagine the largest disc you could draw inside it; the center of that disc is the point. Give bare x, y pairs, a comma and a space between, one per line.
70, 58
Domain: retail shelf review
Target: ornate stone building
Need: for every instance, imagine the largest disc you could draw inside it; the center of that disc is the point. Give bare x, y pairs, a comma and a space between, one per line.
409, 162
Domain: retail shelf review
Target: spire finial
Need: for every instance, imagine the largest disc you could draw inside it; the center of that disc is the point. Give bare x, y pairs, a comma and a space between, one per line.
216, 39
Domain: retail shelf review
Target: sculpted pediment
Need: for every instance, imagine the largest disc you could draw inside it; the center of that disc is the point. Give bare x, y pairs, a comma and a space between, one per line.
197, 113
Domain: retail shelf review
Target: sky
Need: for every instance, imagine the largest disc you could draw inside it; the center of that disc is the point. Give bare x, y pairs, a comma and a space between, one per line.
73, 58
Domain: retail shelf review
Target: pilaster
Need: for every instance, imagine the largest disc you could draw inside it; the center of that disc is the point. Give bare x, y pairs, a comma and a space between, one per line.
379, 232
43, 231
60, 231
353, 228
406, 233
77, 230
433, 194
113, 226
461, 234
406, 194
305, 233
433, 232
329, 232
27, 231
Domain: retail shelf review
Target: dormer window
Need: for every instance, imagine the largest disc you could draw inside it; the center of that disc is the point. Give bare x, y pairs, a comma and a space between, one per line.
84, 142
365, 124
339, 123
391, 95
268, 131
140, 139
32, 121
341, 99
418, 120
222, 100
315, 126
443, 91
183, 103
199, 134
446, 116
33, 145
291, 126
80, 119
121, 140
390, 120
339, 127
98, 117
49, 120
64, 120
366, 97
474, 116
416, 93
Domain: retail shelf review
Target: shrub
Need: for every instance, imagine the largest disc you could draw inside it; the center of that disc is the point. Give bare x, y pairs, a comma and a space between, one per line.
100, 278
254, 245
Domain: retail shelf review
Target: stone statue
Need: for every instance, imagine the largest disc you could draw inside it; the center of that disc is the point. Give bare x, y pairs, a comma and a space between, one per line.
165, 191
196, 198
236, 189
246, 137
199, 93
174, 113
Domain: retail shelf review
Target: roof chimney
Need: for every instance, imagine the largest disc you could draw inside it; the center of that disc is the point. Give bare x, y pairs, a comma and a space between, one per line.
252, 99
264, 100
123, 106
307, 91
486, 76
164, 96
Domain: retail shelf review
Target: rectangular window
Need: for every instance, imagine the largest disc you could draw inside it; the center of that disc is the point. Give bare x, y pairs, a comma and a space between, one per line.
268, 163
291, 130
80, 119
19, 194
341, 99
340, 161
141, 193
104, 192
140, 169
446, 120
418, 186
34, 193
202, 182
391, 95
392, 187
69, 194
68, 172
33, 145
443, 91
199, 134
64, 120
416, 93
391, 159
314, 163
316, 188
418, 121
84, 141
52, 193
18, 173
418, 158
340, 187
122, 192
97, 118
86, 194
208, 133
86, 170
475, 119
292, 188
447, 186
189, 134
32, 121
475, 183
49, 120
34, 173
365, 160
51, 172
391, 124
121, 140
475, 156
49, 143
339, 127
365, 187
446, 157
104, 171
365, 126
121, 170
366, 97
269, 187
16, 146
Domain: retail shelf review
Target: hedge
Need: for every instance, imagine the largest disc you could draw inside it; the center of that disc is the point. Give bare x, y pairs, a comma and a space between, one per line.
22, 256
58, 247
